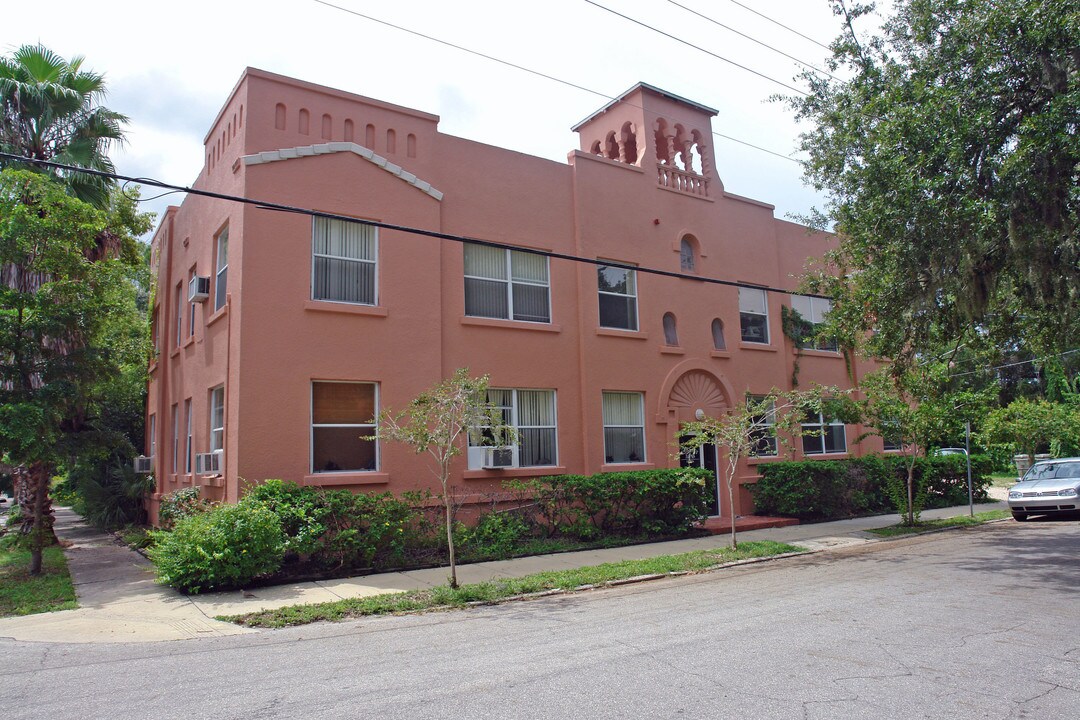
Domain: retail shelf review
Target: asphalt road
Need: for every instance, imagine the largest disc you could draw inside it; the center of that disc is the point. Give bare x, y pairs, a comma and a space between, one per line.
983, 623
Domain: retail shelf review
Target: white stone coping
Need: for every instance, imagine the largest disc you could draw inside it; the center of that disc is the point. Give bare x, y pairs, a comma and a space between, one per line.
270, 156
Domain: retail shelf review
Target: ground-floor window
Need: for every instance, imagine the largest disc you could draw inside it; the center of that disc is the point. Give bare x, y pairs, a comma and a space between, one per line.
763, 431
341, 414
624, 427
533, 416
822, 437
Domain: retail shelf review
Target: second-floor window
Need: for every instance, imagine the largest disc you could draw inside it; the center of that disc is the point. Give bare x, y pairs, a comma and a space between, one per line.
343, 259
618, 297
811, 313
753, 316
221, 269
217, 418
506, 284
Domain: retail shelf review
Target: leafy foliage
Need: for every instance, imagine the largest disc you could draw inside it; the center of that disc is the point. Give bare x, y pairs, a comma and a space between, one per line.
948, 146
1032, 426
226, 547
181, 504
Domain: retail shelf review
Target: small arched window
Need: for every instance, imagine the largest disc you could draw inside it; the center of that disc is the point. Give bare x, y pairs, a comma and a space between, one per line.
718, 335
687, 261
671, 335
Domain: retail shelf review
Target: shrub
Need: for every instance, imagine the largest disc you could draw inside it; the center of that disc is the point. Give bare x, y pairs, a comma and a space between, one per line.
495, 535
364, 530
181, 504
226, 547
301, 510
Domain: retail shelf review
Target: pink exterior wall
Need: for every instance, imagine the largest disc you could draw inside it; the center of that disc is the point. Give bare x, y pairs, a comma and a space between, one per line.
271, 340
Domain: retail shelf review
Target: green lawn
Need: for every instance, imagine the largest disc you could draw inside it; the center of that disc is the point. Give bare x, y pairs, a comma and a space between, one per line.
959, 521
489, 592
22, 594
1003, 479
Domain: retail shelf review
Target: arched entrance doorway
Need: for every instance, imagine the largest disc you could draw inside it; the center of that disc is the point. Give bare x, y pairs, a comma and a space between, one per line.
694, 393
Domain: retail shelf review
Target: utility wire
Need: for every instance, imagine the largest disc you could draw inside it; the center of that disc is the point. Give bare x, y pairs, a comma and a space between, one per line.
700, 49
1019, 362
537, 73
780, 24
754, 40
264, 205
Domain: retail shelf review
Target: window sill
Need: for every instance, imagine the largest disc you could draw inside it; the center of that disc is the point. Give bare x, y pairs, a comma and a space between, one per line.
345, 308
514, 472
336, 479
813, 352
811, 456
760, 347
190, 341
211, 481
671, 350
218, 314
626, 467
510, 324
719, 353
631, 334
173, 478
751, 461
151, 367
174, 352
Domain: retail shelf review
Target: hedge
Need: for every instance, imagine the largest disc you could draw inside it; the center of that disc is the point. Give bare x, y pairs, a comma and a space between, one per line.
819, 490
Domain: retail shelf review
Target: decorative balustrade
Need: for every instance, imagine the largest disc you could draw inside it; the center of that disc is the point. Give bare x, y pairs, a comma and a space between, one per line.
687, 182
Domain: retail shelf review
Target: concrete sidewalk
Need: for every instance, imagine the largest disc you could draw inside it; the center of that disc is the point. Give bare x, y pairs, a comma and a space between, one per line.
120, 602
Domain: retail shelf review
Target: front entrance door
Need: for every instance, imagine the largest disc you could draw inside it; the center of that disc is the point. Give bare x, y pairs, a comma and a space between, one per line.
705, 457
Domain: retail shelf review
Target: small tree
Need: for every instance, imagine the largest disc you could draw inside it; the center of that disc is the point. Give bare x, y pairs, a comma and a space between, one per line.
742, 430
1027, 426
439, 421
912, 407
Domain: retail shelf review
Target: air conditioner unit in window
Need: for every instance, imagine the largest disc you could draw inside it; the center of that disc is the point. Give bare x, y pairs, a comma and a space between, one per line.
209, 463
502, 457
198, 289
144, 465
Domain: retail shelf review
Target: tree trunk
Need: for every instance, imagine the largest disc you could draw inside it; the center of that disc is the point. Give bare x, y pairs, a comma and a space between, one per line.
731, 506
41, 525
911, 494
449, 528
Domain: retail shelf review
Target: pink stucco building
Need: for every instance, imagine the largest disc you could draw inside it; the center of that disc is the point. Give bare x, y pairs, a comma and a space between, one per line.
303, 327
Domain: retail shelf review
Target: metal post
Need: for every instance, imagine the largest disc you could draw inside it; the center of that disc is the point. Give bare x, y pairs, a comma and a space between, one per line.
967, 450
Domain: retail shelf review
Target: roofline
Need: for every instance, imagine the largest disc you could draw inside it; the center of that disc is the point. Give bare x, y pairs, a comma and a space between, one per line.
652, 88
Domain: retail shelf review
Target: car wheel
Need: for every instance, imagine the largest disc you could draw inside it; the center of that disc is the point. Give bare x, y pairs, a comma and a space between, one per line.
1020, 517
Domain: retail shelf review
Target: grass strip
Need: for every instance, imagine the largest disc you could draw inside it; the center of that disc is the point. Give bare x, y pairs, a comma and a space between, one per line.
958, 521
25, 594
496, 590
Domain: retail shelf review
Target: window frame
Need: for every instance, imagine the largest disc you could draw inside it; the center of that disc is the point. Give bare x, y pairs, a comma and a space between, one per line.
179, 315
175, 437
221, 270
820, 344
188, 442
153, 435
635, 326
217, 433
644, 444
760, 433
509, 283
765, 314
817, 432
375, 262
515, 423
312, 425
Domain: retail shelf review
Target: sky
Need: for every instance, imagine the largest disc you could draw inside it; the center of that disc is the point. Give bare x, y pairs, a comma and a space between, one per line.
171, 66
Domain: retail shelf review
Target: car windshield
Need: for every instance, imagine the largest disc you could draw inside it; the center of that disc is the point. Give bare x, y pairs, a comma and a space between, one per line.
1052, 471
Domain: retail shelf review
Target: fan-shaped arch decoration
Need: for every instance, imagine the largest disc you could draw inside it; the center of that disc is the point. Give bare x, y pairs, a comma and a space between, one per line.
698, 389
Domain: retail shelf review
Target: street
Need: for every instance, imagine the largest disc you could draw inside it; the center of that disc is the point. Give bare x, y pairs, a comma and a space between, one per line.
981, 623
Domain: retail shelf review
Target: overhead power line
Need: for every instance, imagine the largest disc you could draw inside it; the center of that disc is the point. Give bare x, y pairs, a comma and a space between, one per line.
531, 71
754, 40
779, 24
266, 205
678, 39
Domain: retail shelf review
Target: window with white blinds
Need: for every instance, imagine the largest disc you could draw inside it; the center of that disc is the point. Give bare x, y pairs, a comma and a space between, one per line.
532, 414
506, 284
344, 261
624, 427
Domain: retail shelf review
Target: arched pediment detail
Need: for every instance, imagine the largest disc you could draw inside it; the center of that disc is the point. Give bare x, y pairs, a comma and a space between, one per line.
691, 386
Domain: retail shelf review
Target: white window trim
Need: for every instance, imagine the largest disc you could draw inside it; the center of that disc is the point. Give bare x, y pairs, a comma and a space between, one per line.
518, 427
644, 439
213, 429
188, 441
509, 283
179, 315
812, 322
312, 425
219, 292
375, 251
153, 435
770, 422
817, 429
637, 318
768, 330
175, 437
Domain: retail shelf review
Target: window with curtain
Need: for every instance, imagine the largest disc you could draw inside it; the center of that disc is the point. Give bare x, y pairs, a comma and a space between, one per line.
343, 259
821, 436
221, 269
753, 316
341, 413
812, 312
506, 284
618, 297
624, 427
532, 414
217, 418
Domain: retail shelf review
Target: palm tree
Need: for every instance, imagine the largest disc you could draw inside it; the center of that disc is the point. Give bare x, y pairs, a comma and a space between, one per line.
50, 110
